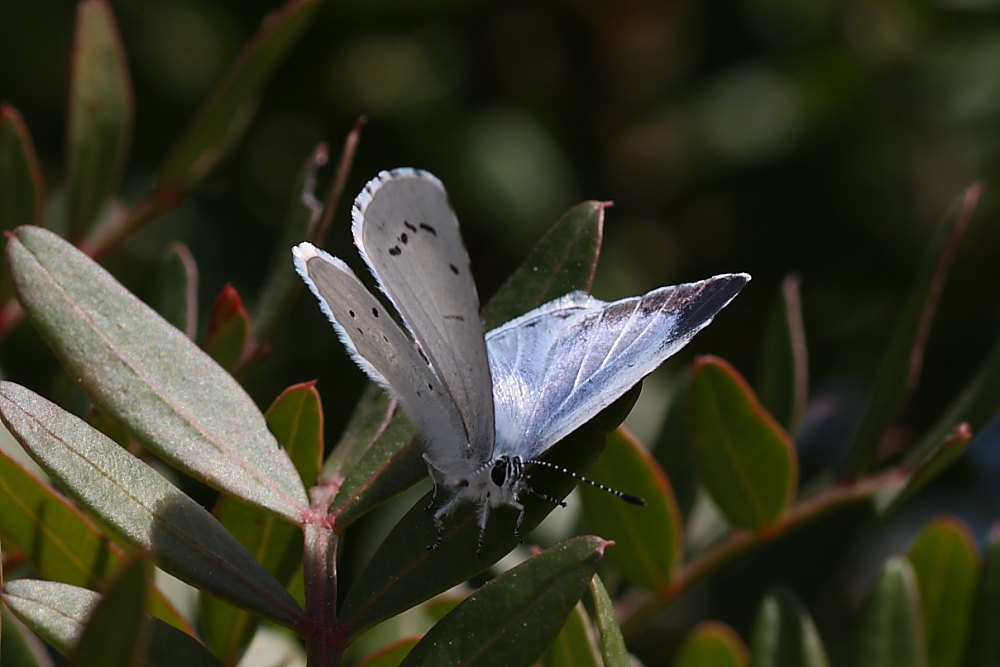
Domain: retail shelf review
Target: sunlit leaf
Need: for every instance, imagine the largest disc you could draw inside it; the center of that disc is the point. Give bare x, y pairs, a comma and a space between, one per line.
612, 644
150, 376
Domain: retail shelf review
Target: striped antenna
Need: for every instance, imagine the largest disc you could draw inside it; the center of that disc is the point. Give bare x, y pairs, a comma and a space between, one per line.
635, 500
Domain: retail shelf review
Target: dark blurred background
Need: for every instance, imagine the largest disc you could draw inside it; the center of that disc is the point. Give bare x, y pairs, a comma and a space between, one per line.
824, 137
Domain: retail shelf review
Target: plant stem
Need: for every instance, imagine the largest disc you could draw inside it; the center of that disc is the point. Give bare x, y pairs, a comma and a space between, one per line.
319, 567
740, 542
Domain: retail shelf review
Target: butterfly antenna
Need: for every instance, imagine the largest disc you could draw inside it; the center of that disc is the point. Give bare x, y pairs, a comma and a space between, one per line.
635, 500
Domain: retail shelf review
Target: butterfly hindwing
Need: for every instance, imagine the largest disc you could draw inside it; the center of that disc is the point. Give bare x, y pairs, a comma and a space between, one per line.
559, 365
382, 349
408, 234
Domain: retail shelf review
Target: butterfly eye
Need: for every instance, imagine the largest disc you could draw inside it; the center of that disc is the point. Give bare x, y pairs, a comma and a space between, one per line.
499, 472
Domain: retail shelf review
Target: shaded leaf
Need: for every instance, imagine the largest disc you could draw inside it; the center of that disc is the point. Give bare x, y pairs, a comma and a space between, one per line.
148, 375
296, 419
574, 644
403, 572
935, 462
784, 378
57, 612
19, 646
890, 632
784, 635
118, 627
142, 506
563, 260
744, 458
511, 619
223, 119
649, 539
901, 364
673, 450
100, 115
176, 289
714, 644
612, 644
21, 187
228, 330
390, 656
984, 644
946, 564
300, 220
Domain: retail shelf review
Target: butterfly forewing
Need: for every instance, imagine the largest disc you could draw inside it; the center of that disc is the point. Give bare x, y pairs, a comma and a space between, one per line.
561, 364
408, 234
382, 349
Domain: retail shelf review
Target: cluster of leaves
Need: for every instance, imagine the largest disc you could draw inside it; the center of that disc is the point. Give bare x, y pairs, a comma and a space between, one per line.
81, 555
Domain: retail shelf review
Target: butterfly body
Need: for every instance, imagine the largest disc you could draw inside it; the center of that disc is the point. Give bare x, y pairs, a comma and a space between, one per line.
487, 406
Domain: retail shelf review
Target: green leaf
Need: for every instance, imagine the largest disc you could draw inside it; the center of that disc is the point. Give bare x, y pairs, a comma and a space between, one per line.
379, 455
673, 450
300, 222
977, 405
228, 330
946, 564
890, 632
784, 635
57, 612
18, 645
784, 377
984, 645
711, 644
901, 364
612, 644
142, 506
118, 628
296, 419
21, 187
100, 115
511, 620
563, 260
224, 117
403, 572
574, 645
150, 376
744, 458
936, 461
176, 289
392, 655
649, 539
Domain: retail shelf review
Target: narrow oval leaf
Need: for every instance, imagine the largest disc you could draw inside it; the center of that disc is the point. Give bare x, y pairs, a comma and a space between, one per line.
378, 456
613, 651
21, 187
150, 376
20, 646
100, 115
142, 506
890, 632
176, 289
515, 616
649, 540
935, 462
784, 635
224, 117
296, 419
574, 645
711, 643
118, 627
945, 561
784, 377
228, 330
57, 612
984, 644
390, 656
403, 572
563, 260
901, 364
744, 458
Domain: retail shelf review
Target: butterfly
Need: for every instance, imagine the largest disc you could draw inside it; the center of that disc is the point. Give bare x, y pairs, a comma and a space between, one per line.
487, 406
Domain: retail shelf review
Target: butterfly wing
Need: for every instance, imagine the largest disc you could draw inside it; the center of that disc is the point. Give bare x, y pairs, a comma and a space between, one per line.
383, 350
408, 234
559, 365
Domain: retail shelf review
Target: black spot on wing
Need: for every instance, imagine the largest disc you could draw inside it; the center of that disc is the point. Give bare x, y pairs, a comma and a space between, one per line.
428, 228
351, 313
375, 312
404, 238
395, 251
454, 269
410, 226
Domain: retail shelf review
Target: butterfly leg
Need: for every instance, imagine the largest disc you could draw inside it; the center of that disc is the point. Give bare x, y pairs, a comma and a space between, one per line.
434, 490
517, 523
439, 515
482, 517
